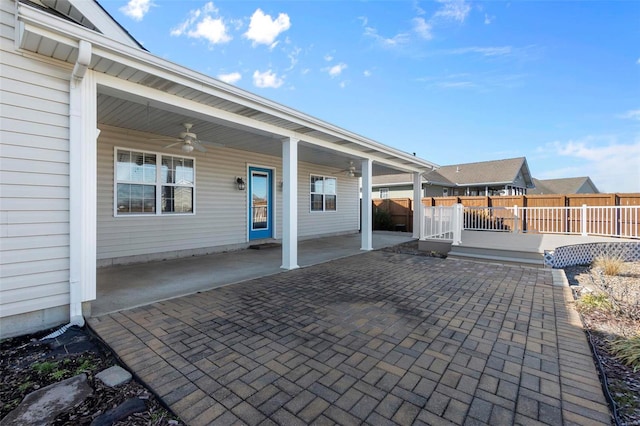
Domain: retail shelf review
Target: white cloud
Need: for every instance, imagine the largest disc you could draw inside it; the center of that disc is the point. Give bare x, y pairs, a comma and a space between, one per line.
293, 58
632, 114
328, 57
422, 28
455, 84
488, 19
136, 9
264, 30
205, 24
398, 39
367, 73
484, 51
231, 78
611, 165
456, 10
267, 79
343, 84
336, 70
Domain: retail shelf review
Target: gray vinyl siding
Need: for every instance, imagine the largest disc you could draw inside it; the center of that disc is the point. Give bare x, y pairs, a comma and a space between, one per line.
221, 209
34, 178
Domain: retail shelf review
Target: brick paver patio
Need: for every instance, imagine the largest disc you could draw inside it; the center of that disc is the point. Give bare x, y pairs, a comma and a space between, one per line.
378, 338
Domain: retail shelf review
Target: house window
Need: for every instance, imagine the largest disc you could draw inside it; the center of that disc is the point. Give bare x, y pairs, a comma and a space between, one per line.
153, 184
323, 193
445, 192
384, 192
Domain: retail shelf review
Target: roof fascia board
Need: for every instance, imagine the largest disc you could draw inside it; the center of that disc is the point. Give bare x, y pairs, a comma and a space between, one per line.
385, 185
145, 61
133, 91
94, 13
483, 183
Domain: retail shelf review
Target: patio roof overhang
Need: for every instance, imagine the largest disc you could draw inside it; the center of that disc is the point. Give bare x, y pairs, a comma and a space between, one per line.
142, 92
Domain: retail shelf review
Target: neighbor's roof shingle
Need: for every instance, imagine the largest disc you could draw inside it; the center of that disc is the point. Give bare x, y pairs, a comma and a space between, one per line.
497, 171
561, 186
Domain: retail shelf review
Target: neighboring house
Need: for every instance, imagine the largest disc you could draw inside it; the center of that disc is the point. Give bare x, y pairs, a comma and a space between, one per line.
499, 177
576, 185
89, 178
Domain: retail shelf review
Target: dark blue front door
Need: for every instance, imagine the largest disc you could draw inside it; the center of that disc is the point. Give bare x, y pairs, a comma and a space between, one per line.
260, 204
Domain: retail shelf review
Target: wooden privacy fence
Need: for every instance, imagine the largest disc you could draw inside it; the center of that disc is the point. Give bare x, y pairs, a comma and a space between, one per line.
542, 211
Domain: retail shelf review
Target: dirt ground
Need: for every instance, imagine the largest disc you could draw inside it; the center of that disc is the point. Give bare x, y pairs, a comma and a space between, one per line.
27, 364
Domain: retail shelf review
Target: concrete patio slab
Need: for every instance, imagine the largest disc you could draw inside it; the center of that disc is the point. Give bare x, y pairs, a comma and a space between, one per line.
379, 338
126, 286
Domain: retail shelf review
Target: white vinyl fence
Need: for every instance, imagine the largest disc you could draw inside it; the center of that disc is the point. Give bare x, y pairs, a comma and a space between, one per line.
443, 223
610, 221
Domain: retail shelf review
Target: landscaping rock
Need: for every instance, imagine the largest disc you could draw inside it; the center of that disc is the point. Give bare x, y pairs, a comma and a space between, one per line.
114, 376
122, 411
42, 406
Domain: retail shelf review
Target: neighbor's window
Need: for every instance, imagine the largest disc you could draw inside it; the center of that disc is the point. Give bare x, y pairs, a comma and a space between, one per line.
152, 183
323, 193
384, 193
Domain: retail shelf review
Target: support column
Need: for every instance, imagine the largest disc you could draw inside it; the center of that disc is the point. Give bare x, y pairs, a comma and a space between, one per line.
418, 209
83, 136
290, 203
366, 219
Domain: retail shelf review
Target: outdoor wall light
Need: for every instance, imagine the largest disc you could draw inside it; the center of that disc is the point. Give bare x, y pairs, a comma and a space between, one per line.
240, 183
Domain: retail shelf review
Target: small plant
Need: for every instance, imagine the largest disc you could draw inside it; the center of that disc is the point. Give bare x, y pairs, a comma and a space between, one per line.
610, 265
594, 302
25, 386
59, 374
627, 351
46, 367
85, 367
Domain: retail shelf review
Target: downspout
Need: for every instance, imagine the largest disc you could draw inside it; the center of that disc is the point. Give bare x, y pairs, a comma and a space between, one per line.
76, 188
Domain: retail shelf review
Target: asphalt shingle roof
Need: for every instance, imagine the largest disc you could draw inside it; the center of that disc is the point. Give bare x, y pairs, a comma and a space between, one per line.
496, 171
560, 186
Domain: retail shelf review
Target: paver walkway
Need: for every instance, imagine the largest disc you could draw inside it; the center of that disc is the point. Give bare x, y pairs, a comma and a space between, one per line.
378, 338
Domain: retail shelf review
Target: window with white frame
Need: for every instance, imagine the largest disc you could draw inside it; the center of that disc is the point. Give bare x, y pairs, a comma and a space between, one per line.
384, 193
148, 183
323, 193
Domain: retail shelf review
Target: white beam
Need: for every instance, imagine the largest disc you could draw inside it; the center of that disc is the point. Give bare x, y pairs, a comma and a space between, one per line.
290, 203
418, 210
366, 219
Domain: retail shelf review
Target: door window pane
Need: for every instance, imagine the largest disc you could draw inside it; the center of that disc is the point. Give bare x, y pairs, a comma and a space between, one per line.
259, 201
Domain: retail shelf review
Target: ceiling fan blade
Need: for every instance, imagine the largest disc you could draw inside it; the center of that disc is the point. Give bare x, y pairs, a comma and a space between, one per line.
197, 145
164, 139
218, 144
174, 144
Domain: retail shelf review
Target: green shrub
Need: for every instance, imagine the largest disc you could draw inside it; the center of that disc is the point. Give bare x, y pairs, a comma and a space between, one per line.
627, 351
382, 220
594, 302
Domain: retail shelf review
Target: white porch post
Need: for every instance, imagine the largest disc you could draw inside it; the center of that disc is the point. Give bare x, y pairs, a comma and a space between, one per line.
366, 220
418, 210
83, 136
290, 203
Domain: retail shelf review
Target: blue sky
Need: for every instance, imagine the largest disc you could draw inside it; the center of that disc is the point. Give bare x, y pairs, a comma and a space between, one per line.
452, 81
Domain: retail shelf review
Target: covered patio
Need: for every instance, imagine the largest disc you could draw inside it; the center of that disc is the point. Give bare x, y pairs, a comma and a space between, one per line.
127, 286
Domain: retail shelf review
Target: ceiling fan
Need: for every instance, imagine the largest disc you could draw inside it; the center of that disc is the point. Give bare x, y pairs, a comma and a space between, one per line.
351, 170
187, 140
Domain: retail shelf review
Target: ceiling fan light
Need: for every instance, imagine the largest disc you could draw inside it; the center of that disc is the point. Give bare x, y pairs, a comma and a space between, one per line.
187, 147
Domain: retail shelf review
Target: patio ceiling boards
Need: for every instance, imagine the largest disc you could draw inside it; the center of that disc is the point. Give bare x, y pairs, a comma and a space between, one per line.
142, 92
